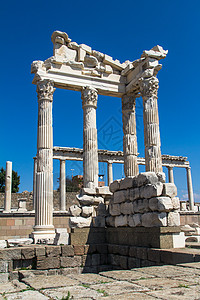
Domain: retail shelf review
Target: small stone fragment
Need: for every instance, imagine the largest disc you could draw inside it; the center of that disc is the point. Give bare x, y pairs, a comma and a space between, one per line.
75, 211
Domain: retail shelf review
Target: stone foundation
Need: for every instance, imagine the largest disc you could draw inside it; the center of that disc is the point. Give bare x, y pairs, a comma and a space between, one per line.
91, 250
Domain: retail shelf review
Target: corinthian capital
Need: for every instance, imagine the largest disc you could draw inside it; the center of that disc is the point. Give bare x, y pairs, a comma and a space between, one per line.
89, 96
149, 87
128, 101
45, 89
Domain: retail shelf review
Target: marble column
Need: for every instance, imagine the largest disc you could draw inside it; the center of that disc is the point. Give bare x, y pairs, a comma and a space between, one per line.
153, 159
8, 187
34, 181
190, 188
44, 229
62, 185
90, 151
130, 137
170, 174
109, 172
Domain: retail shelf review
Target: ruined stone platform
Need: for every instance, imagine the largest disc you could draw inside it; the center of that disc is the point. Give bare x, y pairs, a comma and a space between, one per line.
156, 282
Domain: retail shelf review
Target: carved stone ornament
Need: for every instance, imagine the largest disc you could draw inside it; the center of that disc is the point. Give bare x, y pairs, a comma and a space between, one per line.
128, 102
45, 89
89, 96
149, 87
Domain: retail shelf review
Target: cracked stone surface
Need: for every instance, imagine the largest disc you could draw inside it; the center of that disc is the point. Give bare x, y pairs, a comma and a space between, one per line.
158, 282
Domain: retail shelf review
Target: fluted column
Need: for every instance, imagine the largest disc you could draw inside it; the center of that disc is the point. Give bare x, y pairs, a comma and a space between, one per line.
153, 159
170, 174
190, 188
90, 150
129, 138
110, 172
62, 185
44, 228
34, 181
8, 187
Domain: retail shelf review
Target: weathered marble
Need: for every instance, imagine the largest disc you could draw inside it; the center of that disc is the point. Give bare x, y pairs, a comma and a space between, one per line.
90, 152
129, 138
44, 228
8, 187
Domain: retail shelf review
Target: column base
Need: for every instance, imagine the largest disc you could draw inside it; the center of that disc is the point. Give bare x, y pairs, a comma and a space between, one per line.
43, 235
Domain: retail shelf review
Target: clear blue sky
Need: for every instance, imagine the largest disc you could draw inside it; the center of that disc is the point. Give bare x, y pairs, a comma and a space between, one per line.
122, 29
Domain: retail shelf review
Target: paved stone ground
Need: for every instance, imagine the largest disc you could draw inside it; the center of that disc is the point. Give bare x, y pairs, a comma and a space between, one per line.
160, 282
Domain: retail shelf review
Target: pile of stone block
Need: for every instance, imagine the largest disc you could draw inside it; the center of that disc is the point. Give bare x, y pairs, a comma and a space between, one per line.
145, 200
92, 208
192, 232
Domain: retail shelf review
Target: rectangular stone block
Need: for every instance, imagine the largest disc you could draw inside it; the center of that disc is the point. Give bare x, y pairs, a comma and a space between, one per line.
40, 251
90, 249
123, 250
133, 251
123, 262
78, 250
134, 194
103, 259
170, 190
75, 261
3, 266
10, 253
95, 259
121, 221
153, 255
126, 183
67, 250
43, 263
86, 260
141, 252
149, 191
114, 209
28, 253
102, 248
53, 251
120, 196
126, 208
172, 257
114, 186
133, 262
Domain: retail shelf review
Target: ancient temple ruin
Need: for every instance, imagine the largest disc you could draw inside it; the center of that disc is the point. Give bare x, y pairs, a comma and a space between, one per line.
80, 68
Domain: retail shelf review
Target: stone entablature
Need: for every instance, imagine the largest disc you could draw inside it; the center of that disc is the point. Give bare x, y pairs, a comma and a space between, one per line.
75, 66
70, 153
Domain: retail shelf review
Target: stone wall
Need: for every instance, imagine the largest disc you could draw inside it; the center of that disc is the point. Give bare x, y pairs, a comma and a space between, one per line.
21, 225
70, 199
145, 200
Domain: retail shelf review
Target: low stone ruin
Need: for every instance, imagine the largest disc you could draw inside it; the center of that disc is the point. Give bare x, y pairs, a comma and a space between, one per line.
92, 209
145, 200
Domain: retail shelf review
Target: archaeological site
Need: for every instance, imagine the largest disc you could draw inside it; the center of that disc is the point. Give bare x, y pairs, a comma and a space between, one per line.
136, 222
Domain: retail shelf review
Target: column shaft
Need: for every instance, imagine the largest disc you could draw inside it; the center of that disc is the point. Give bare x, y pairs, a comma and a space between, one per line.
90, 150
62, 185
170, 174
44, 179
34, 181
153, 159
190, 188
109, 172
129, 138
8, 187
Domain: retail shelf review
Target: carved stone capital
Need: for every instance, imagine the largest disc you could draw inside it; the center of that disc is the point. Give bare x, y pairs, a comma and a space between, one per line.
45, 89
149, 87
128, 102
89, 96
